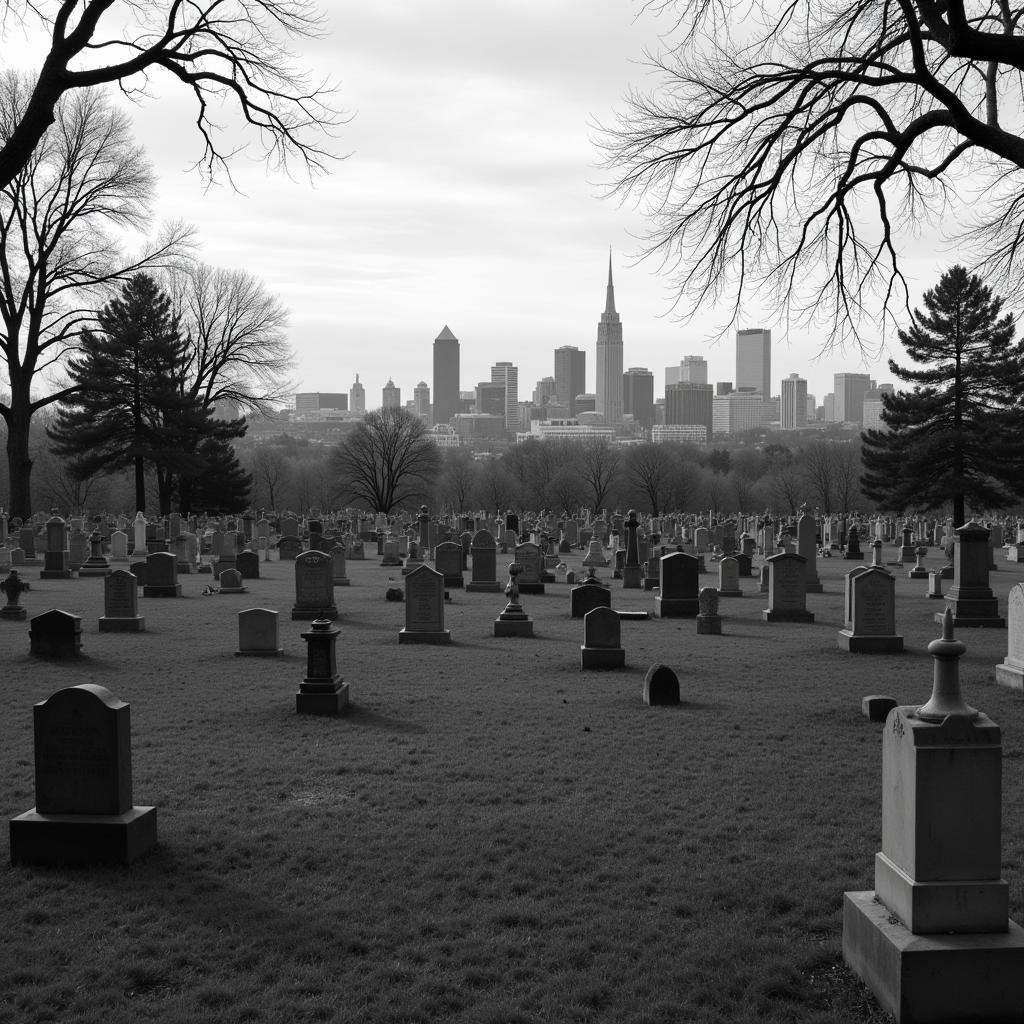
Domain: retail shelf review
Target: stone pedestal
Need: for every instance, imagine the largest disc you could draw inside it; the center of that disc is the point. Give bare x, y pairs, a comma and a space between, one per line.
322, 692
933, 941
970, 598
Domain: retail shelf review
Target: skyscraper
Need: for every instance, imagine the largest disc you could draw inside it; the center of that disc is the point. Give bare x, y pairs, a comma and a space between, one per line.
694, 369
391, 397
508, 375
849, 390
446, 376
638, 395
570, 375
686, 402
357, 397
609, 357
793, 407
754, 361
421, 401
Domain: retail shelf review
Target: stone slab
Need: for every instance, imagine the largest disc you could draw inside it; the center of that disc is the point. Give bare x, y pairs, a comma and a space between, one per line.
159, 591
867, 644
513, 627
968, 622
1011, 676
676, 607
602, 657
132, 624
416, 636
934, 979
786, 616
74, 839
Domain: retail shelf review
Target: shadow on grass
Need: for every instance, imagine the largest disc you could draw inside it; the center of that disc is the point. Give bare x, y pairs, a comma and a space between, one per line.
356, 714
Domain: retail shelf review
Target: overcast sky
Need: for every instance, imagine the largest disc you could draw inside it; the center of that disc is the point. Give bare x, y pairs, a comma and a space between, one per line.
471, 196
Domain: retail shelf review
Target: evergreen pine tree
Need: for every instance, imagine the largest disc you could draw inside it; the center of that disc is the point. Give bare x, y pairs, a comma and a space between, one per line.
956, 434
130, 409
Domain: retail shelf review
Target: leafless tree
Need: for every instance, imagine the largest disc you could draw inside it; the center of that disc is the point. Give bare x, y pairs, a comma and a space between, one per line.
387, 460
222, 51
458, 477
495, 487
818, 462
271, 472
534, 464
747, 466
567, 488
85, 181
848, 469
649, 469
794, 146
787, 486
598, 463
239, 348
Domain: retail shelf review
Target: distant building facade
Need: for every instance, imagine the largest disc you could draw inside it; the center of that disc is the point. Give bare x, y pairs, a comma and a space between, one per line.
446, 376
609, 357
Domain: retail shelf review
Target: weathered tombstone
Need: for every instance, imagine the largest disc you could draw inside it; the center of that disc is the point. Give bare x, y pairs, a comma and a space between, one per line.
632, 574
729, 578
853, 551
934, 941
661, 686
679, 587
337, 554
13, 586
709, 622
230, 582
56, 558
595, 554
289, 548
970, 598
314, 587
587, 596
919, 572
161, 575
121, 604
807, 546
248, 565
323, 691
876, 706
83, 776
258, 633
424, 608
787, 597
484, 553
1011, 671
448, 562
139, 549
55, 634
513, 621
602, 640
935, 585
529, 556
872, 626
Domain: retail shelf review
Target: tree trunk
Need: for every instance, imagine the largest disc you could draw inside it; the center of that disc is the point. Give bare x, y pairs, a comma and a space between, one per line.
140, 484
19, 461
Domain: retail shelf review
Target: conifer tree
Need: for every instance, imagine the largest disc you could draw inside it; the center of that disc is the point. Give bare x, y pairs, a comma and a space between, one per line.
956, 434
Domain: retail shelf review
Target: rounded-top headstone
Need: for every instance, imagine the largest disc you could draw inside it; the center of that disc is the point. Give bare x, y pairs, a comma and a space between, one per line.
661, 686
876, 706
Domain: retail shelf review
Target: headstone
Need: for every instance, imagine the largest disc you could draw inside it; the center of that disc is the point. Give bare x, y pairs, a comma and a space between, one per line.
632, 574
121, 604
1011, 671
935, 585
709, 622
602, 640
484, 553
289, 548
853, 551
56, 558
679, 587
970, 598
161, 575
258, 633
248, 565
729, 578
338, 568
919, 572
314, 587
529, 556
872, 628
587, 596
139, 550
934, 941
83, 776
448, 562
424, 608
55, 634
230, 582
323, 691
12, 587
595, 555
787, 597
661, 686
807, 545
876, 707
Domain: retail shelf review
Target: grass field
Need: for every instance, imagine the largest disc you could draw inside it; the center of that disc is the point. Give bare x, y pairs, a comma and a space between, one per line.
488, 835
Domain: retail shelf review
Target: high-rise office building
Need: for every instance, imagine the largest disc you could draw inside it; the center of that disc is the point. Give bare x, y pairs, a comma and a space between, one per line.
357, 397
737, 412
313, 401
490, 399
686, 402
508, 375
754, 361
793, 405
391, 397
694, 369
421, 401
545, 390
446, 376
849, 391
609, 357
638, 395
570, 375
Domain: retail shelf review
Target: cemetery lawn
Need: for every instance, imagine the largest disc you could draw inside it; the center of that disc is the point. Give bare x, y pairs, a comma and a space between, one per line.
488, 835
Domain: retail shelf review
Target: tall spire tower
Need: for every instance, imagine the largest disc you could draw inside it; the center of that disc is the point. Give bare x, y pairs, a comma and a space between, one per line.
609, 356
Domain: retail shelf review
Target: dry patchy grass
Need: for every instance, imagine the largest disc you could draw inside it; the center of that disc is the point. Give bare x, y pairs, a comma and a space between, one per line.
488, 834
